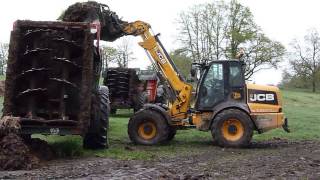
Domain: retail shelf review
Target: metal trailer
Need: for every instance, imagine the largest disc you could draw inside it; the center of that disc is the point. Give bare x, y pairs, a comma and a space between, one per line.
52, 81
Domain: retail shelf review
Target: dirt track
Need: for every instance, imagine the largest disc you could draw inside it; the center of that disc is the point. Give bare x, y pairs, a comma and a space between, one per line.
265, 160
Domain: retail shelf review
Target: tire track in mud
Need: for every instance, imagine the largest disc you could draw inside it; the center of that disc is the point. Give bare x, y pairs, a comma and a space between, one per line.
264, 160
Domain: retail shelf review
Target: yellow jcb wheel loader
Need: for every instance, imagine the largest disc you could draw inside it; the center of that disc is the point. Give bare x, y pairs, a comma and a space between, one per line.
224, 103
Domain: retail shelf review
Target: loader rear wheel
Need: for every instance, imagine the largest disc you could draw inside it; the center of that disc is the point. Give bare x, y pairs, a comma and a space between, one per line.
172, 133
148, 127
97, 137
232, 128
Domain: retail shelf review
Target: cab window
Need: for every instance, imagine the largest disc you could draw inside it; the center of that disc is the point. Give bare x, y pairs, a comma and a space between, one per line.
212, 89
236, 78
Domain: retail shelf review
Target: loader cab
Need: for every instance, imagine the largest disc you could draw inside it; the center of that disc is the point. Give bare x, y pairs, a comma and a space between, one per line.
220, 82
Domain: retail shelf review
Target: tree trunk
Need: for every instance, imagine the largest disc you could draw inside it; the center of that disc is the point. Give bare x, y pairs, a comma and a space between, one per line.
313, 86
314, 82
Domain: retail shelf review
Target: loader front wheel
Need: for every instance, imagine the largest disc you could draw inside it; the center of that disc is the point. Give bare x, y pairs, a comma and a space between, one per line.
232, 128
97, 136
148, 127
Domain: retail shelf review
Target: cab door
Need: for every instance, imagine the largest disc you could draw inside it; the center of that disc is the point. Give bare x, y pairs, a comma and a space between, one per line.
236, 82
211, 88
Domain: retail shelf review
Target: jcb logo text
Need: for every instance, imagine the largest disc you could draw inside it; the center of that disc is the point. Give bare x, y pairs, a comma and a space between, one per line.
261, 97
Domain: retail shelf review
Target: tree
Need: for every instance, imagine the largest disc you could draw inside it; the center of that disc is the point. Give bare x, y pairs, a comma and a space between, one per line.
4, 48
108, 54
120, 55
217, 30
292, 80
182, 61
241, 27
203, 31
262, 53
124, 53
305, 57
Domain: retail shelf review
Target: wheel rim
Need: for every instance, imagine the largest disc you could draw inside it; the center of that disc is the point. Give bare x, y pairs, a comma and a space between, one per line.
232, 129
147, 130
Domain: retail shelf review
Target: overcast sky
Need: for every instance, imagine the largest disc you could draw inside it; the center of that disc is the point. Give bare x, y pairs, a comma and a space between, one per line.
281, 20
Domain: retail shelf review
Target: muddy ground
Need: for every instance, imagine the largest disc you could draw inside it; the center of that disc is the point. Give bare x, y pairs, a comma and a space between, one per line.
275, 159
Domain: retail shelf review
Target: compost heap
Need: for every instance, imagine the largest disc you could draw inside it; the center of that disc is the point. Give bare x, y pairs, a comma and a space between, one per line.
17, 153
91, 11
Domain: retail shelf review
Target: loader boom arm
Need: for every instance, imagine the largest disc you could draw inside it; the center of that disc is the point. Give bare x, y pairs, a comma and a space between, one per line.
163, 63
113, 28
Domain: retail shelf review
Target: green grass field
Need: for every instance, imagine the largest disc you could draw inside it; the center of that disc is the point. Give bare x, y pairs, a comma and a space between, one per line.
301, 108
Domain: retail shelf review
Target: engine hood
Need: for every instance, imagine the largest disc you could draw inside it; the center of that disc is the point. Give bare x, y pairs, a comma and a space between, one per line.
263, 98
262, 87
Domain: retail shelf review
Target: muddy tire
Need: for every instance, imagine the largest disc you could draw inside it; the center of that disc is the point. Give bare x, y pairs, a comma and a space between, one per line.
139, 101
232, 128
172, 133
148, 127
97, 137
